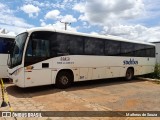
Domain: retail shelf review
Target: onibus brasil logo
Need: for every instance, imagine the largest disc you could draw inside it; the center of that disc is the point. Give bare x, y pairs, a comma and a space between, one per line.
130, 62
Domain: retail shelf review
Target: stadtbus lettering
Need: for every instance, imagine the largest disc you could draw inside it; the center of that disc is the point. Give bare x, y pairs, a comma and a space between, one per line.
130, 62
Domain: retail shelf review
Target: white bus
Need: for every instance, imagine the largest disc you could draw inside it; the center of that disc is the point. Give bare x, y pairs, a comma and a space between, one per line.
5, 43
43, 56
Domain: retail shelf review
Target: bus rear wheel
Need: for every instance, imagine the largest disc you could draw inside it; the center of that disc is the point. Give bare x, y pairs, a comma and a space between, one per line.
129, 74
64, 79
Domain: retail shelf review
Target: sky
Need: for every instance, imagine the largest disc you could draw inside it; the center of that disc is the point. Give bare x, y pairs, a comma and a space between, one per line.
131, 19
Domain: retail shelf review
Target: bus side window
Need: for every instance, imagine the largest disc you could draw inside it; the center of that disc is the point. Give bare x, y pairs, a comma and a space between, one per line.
62, 44
127, 49
5, 44
29, 49
140, 50
38, 48
112, 48
1, 45
76, 45
9, 44
94, 46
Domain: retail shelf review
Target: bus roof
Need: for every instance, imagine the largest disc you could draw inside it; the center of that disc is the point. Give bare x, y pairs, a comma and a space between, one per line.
7, 36
110, 37
156, 42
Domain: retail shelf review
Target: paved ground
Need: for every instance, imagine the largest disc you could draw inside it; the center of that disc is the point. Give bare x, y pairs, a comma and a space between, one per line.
103, 95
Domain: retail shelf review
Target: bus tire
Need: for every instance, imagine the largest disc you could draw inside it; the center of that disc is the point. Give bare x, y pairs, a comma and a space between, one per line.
129, 74
64, 79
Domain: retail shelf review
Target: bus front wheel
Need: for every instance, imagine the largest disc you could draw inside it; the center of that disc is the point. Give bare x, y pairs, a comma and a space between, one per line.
64, 79
129, 74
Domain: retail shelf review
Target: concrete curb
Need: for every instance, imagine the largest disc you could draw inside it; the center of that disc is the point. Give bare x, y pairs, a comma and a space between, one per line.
149, 79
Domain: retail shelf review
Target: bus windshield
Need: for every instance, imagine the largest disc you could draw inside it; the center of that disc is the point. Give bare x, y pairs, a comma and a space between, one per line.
17, 51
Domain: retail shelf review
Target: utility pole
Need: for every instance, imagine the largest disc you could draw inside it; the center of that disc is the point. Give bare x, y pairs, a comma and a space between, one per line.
66, 23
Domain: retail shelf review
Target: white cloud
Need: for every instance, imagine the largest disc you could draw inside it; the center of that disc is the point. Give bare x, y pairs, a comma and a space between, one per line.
13, 29
54, 14
107, 11
36, 3
116, 17
58, 25
11, 33
11, 22
94, 33
83, 18
86, 25
80, 7
4, 9
31, 10
134, 32
62, 4
68, 18
2, 6
42, 22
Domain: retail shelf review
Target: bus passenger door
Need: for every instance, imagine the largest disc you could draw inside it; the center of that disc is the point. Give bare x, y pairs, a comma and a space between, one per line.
36, 75
37, 63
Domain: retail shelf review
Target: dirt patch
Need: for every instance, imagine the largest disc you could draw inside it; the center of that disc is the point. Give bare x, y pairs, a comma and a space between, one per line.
157, 82
131, 103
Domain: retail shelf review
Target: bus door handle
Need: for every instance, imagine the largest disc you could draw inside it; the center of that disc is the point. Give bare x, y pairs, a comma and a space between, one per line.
45, 65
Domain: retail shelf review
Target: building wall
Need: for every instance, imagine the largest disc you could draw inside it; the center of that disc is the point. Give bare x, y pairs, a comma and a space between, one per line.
157, 52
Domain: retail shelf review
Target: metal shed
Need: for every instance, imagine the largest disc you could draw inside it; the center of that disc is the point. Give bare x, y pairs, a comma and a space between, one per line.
157, 51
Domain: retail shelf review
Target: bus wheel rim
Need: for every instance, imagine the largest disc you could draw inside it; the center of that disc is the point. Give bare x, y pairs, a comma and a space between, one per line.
64, 80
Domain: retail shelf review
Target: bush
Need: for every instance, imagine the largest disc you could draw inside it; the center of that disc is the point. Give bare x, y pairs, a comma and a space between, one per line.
156, 73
